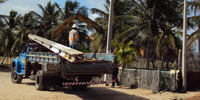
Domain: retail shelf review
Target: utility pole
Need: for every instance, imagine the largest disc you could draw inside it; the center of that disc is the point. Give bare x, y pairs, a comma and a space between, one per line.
110, 25
184, 52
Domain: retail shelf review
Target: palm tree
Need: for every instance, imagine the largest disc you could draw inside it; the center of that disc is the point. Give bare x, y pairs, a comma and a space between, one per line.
125, 54
23, 28
145, 22
194, 5
2, 17
45, 23
9, 34
121, 8
71, 8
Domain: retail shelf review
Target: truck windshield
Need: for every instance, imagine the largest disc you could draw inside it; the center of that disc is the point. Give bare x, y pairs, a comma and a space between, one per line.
25, 49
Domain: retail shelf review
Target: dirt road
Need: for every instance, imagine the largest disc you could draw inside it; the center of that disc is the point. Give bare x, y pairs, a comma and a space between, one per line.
26, 91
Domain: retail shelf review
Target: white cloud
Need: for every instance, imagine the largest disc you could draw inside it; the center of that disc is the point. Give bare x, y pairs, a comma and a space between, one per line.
97, 4
22, 6
93, 16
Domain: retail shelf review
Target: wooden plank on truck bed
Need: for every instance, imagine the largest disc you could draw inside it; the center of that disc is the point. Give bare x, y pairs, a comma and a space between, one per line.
67, 53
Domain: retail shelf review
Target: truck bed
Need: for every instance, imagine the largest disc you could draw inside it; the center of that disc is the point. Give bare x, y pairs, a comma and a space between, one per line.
89, 67
99, 63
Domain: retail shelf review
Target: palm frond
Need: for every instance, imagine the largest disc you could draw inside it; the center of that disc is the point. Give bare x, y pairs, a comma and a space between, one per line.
98, 11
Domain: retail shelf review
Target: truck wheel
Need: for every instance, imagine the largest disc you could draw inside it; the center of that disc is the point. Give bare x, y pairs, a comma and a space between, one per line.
15, 77
39, 80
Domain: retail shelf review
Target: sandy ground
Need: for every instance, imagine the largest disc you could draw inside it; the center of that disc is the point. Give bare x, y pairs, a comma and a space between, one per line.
26, 91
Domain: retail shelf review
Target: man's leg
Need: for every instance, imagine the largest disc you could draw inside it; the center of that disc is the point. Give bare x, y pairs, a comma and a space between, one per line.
113, 81
116, 79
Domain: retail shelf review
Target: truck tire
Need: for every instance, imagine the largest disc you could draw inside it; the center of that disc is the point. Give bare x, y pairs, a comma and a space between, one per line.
15, 77
39, 80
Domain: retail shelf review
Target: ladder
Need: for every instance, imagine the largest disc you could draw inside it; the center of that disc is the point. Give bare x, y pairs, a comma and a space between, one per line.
71, 55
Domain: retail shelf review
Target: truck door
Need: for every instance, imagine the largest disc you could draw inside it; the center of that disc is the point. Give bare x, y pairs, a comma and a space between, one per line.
22, 59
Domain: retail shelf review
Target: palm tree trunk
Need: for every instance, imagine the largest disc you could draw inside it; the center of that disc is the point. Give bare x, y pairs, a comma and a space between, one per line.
149, 44
167, 66
148, 54
4, 56
162, 62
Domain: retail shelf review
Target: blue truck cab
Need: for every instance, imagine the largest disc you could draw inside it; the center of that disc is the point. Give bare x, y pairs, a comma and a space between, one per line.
19, 62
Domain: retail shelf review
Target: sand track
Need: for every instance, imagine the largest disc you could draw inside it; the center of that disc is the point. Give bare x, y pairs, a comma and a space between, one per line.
26, 91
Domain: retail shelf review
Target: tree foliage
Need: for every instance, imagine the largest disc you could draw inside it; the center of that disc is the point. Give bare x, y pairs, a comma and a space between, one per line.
125, 53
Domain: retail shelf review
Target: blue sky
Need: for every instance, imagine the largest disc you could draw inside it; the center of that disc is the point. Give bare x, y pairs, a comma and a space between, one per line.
24, 6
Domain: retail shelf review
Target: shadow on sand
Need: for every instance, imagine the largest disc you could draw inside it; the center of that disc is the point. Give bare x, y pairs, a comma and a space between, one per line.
93, 93
4, 69
98, 93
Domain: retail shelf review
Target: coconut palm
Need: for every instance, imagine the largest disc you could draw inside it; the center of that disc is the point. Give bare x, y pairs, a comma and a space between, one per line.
23, 28
125, 54
9, 34
2, 17
194, 5
121, 7
144, 22
71, 8
45, 23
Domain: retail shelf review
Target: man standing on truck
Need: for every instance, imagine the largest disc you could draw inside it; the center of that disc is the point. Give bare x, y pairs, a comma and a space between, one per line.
115, 73
73, 37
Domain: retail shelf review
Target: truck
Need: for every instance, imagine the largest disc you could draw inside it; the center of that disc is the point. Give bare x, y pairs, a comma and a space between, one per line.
53, 64
50, 69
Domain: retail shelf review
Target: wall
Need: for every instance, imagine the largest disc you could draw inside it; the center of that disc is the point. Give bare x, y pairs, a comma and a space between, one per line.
147, 79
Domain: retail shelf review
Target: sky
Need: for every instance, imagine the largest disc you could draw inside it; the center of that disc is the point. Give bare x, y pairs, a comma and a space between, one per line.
24, 6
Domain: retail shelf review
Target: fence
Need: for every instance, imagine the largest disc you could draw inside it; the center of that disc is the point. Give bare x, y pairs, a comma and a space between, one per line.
149, 79
193, 62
